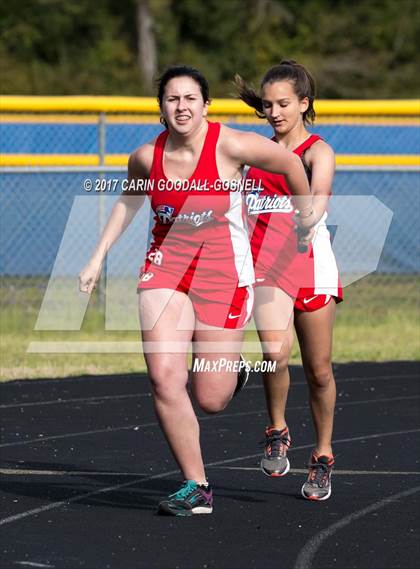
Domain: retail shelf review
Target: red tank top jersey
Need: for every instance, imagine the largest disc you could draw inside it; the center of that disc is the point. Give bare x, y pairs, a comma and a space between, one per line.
274, 239
198, 227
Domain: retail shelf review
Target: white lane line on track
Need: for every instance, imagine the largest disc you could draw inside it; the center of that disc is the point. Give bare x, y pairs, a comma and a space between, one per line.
349, 380
81, 434
39, 472
309, 550
32, 472
336, 471
136, 395
207, 418
75, 400
55, 505
33, 564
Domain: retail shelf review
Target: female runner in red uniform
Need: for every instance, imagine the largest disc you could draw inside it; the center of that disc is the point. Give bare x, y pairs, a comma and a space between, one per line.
195, 284
294, 286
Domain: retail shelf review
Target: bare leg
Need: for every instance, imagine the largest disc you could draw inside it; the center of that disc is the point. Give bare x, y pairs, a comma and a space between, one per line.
315, 331
274, 320
213, 389
168, 371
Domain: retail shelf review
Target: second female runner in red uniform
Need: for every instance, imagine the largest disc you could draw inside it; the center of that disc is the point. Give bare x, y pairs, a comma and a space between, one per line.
195, 282
297, 280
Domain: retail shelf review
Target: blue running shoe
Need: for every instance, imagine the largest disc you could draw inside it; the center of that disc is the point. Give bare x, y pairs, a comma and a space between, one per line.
190, 499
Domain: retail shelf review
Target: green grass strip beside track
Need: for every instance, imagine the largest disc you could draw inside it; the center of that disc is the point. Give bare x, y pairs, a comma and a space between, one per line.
378, 321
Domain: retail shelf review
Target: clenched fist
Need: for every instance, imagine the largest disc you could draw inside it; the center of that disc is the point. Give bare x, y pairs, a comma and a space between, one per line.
89, 276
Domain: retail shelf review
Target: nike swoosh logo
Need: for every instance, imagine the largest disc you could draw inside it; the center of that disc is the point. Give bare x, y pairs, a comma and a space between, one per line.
260, 280
232, 316
306, 300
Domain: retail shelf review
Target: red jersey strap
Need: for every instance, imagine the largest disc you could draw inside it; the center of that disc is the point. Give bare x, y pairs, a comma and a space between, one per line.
206, 162
212, 135
207, 166
156, 170
306, 144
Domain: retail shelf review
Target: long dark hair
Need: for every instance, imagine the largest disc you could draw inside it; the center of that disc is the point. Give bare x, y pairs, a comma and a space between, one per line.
288, 70
181, 71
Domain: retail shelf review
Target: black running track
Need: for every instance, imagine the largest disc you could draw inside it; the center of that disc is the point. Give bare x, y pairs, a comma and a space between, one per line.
84, 464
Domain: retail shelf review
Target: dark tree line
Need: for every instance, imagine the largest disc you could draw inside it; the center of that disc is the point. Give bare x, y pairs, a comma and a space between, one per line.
355, 48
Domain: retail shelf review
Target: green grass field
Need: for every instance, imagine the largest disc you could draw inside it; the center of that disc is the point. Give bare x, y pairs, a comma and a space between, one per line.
378, 321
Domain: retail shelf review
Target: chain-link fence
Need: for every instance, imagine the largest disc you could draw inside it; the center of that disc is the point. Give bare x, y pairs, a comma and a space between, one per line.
37, 206
50, 222
89, 140
49, 217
